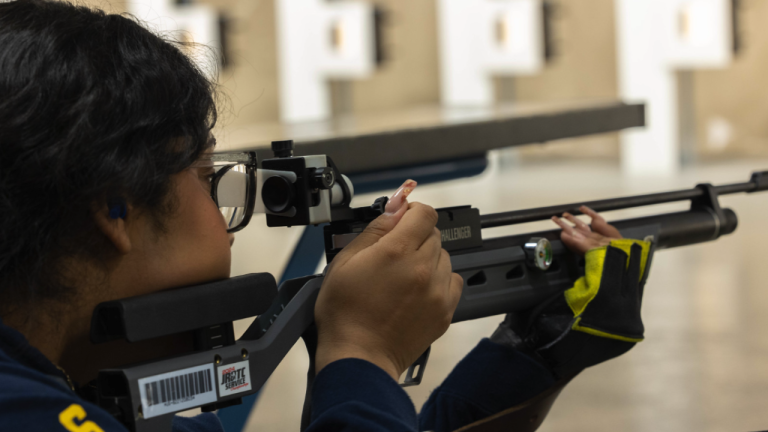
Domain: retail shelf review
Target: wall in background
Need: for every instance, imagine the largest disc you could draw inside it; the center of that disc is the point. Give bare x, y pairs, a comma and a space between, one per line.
584, 67
730, 106
409, 74
250, 83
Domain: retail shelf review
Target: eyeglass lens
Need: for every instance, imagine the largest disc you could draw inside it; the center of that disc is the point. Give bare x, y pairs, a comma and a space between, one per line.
231, 194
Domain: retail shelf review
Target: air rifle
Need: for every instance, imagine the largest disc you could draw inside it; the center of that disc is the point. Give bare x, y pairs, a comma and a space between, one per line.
504, 274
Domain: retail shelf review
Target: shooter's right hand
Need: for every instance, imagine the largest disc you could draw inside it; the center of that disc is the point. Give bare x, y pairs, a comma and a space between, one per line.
389, 294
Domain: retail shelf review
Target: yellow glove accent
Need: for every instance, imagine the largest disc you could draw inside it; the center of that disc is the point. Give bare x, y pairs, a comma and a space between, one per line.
586, 288
594, 332
626, 245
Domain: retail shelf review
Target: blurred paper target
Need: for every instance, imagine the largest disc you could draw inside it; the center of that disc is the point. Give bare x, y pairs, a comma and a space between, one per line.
318, 41
655, 40
197, 26
486, 38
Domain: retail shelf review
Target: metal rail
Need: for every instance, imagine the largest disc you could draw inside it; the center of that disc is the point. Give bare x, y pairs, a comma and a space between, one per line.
408, 142
542, 213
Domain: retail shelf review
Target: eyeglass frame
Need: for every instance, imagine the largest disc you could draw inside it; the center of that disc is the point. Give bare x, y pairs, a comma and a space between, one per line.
248, 159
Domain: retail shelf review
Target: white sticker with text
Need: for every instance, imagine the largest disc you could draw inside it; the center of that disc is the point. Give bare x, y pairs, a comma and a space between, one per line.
234, 378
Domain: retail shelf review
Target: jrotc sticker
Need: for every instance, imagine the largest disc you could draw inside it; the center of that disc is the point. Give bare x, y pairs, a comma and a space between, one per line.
234, 378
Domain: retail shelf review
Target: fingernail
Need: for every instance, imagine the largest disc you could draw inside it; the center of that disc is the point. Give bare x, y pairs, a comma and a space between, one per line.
398, 198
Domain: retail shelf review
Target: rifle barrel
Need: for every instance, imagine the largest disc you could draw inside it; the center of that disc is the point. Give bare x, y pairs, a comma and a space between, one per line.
543, 213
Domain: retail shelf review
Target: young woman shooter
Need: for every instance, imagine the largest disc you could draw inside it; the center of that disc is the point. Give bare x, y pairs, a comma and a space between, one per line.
103, 126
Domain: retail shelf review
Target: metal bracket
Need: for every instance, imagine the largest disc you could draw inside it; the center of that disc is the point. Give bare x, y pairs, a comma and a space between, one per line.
710, 202
760, 179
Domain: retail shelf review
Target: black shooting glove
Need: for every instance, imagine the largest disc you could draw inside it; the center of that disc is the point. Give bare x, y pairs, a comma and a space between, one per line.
595, 320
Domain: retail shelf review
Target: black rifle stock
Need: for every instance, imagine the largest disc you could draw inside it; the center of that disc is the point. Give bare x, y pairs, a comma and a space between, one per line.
498, 279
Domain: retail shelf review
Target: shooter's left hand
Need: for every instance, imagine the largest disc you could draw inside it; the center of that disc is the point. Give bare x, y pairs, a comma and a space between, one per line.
580, 238
596, 319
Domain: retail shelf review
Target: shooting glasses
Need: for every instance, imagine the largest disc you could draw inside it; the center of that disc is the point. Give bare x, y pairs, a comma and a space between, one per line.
233, 186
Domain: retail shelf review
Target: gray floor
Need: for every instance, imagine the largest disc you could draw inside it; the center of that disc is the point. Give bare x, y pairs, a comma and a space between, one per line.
703, 365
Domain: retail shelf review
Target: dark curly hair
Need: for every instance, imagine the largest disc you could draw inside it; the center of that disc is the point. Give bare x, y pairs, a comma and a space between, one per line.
92, 107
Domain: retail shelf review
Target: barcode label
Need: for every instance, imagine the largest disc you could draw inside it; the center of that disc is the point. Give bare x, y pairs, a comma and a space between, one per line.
178, 388
177, 391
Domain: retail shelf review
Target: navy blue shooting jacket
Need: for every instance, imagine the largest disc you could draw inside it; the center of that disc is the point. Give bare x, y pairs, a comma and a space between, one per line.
348, 395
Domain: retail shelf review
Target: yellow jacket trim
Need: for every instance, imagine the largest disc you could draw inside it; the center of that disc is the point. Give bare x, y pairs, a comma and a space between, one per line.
76, 412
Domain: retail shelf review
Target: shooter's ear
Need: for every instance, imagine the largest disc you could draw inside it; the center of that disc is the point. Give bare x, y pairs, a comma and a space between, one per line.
110, 219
